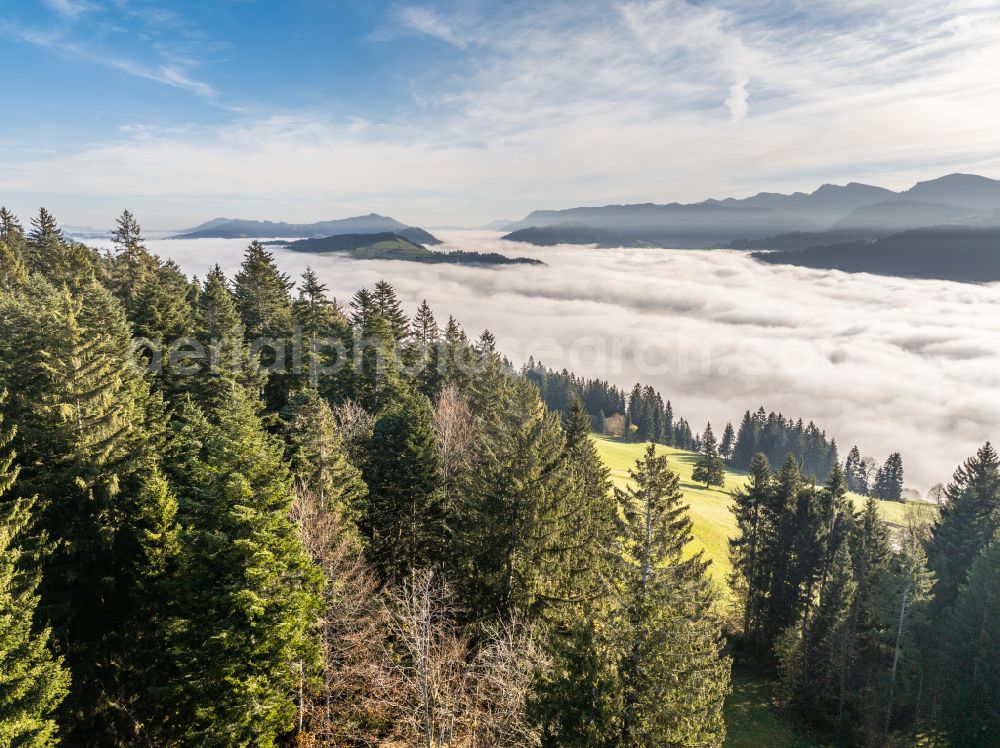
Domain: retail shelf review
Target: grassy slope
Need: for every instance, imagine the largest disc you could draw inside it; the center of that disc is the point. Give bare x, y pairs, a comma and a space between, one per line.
713, 522
750, 716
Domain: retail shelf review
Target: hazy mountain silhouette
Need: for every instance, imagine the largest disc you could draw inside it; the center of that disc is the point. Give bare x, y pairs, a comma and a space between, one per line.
957, 253
876, 211
237, 228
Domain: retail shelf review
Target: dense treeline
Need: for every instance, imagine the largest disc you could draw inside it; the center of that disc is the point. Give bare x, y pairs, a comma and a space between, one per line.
640, 415
236, 513
876, 636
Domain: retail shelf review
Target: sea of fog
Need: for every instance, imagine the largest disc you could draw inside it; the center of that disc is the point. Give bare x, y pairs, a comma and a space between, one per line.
885, 363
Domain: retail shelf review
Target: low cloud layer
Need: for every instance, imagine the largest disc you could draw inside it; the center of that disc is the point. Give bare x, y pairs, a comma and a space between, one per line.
885, 363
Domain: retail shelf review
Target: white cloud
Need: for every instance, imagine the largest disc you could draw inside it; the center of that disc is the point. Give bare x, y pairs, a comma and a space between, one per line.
69, 8
562, 104
885, 363
426, 21
738, 101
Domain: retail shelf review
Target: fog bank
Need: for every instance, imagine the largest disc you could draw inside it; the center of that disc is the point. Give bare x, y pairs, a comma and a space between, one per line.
885, 363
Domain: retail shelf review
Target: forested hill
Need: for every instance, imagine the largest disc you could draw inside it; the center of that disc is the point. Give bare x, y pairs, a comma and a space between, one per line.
237, 228
944, 252
390, 246
236, 513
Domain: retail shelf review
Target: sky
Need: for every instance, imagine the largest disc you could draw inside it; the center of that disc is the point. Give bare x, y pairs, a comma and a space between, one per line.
887, 364
469, 111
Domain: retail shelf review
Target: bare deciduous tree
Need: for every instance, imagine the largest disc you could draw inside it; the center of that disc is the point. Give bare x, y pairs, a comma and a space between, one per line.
355, 425
442, 692
351, 628
455, 427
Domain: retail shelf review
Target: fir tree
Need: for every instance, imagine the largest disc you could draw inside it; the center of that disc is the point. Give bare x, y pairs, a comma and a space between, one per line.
261, 294
746, 442
709, 469
386, 304
406, 522
246, 595
968, 521
32, 681
854, 470
754, 532
13, 272
889, 480
674, 677
131, 262
316, 454
971, 713
89, 439
728, 443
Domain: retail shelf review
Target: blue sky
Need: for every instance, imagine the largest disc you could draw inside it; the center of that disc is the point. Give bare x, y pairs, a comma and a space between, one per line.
462, 112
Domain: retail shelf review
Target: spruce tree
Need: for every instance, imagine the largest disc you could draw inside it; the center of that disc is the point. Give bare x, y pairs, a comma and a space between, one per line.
316, 454
219, 328
968, 521
405, 522
13, 272
728, 443
746, 446
131, 262
971, 710
46, 251
754, 532
509, 538
11, 232
32, 681
674, 677
386, 304
262, 296
89, 436
709, 468
246, 596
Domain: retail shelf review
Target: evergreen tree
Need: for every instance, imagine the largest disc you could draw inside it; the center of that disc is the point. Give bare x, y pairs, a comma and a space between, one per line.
13, 273
246, 595
32, 681
131, 262
728, 443
219, 328
46, 250
11, 232
406, 522
322, 326
854, 470
386, 304
673, 675
746, 443
509, 536
261, 294
971, 710
316, 454
754, 531
968, 521
89, 440
425, 353
889, 480
709, 468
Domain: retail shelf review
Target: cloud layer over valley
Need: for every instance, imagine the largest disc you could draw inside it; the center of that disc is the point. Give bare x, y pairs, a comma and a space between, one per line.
887, 363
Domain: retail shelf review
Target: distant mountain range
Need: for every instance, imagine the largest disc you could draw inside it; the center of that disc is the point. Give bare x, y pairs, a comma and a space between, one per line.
870, 211
958, 253
373, 223
392, 246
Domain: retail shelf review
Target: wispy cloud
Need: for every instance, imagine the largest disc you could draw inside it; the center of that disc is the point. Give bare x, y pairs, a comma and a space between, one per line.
176, 74
556, 104
69, 8
427, 21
